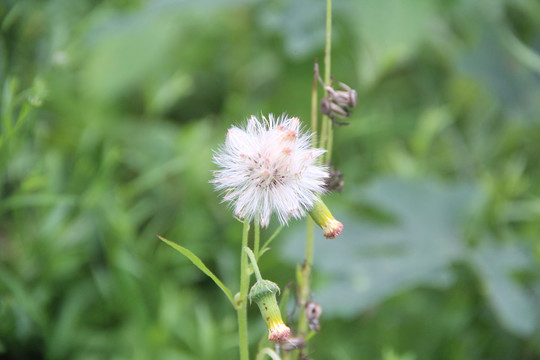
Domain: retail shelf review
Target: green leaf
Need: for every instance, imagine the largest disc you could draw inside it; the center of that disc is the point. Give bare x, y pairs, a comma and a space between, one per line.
514, 306
198, 263
373, 261
391, 32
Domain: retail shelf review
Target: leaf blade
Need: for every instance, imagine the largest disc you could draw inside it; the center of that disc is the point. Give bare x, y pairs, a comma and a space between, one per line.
200, 265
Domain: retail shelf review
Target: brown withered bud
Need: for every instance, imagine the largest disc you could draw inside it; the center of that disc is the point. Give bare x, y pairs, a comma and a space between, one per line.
346, 97
313, 311
333, 110
334, 182
337, 103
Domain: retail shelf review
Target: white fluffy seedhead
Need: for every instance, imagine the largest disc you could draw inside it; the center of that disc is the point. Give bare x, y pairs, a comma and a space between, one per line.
269, 166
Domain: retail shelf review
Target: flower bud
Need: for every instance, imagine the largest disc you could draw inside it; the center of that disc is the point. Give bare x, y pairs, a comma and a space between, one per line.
323, 217
264, 294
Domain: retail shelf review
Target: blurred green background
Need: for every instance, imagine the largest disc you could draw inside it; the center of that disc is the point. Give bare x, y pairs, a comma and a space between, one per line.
109, 113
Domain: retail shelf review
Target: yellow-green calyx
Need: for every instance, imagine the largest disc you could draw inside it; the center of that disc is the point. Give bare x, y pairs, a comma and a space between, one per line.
264, 294
323, 217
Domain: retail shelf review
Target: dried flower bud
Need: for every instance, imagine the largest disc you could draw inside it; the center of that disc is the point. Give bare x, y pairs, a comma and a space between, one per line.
331, 109
313, 311
337, 103
264, 294
335, 182
346, 97
323, 217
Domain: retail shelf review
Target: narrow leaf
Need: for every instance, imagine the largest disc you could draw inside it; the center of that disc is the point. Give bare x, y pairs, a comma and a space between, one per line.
198, 263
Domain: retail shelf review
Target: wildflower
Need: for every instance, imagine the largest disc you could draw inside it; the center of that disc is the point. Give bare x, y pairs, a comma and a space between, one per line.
269, 166
324, 218
264, 294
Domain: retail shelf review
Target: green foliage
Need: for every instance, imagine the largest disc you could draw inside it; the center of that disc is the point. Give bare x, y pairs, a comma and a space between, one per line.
108, 114
416, 248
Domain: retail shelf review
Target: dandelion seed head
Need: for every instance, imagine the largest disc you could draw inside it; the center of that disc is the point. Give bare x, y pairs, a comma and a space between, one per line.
269, 167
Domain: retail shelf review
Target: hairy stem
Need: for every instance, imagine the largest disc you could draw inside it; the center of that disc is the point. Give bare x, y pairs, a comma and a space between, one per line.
242, 305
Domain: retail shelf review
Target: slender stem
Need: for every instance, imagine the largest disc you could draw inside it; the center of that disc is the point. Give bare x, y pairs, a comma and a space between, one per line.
329, 143
305, 285
242, 306
327, 123
257, 239
325, 141
310, 335
305, 288
324, 134
314, 98
254, 263
328, 44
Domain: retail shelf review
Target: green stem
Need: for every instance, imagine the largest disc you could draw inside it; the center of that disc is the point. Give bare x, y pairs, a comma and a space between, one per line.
254, 263
327, 123
314, 98
306, 274
328, 44
325, 141
242, 306
257, 239
305, 288
329, 143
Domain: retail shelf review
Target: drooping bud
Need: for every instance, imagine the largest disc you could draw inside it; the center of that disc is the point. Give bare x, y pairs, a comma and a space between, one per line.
323, 217
264, 294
